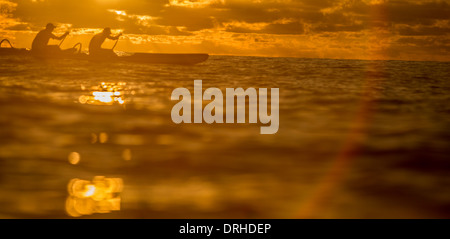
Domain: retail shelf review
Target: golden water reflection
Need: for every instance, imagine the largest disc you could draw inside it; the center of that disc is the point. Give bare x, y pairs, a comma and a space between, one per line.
106, 93
101, 195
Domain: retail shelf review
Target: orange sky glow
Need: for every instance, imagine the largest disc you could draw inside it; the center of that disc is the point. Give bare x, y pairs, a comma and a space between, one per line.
344, 29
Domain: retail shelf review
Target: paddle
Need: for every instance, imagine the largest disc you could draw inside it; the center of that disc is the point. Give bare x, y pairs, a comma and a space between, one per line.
112, 49
64, 38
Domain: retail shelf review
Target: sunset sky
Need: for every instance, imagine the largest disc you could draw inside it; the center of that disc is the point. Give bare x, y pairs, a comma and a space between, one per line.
364, 29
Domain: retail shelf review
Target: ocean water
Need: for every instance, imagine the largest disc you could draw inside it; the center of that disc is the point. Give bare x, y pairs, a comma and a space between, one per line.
357, 139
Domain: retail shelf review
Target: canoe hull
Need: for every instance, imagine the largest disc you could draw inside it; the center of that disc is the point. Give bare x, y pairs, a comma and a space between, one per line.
165, 58
144, 58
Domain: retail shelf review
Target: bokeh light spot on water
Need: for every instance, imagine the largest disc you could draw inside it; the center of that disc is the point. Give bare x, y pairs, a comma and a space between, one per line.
74, 158
126, 154
83, 99
101, 195
103, 137
90, 190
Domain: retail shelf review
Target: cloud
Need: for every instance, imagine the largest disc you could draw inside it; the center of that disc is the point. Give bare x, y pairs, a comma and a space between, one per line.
194, 3
329, 28
280, 27
424, 31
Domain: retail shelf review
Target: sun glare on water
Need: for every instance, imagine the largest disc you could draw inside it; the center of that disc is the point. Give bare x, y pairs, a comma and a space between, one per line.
105, 94
101, 195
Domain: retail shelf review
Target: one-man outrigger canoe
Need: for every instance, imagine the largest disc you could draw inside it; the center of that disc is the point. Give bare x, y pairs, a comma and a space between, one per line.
76, 54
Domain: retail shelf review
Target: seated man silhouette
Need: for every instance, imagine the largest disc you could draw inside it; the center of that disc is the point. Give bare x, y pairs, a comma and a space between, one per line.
40, 43
95, 45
